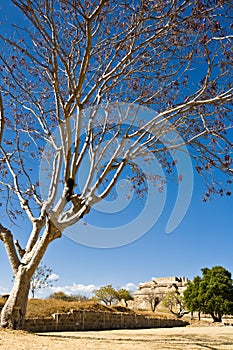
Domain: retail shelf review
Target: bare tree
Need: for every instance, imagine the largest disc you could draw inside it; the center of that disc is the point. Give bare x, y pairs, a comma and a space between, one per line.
42, 278
174, 301
154, 300
70, 58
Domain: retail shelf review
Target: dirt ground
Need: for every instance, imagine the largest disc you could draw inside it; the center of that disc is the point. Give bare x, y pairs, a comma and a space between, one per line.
182, 338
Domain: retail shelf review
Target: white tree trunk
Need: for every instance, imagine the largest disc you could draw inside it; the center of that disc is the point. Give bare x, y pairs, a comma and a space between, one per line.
13, 312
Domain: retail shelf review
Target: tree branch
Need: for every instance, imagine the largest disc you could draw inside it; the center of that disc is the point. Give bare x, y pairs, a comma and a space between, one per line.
7, 239
1, 118
24, 203
20, 250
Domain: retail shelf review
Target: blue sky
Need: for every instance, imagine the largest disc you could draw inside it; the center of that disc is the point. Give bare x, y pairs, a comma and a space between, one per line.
203, 239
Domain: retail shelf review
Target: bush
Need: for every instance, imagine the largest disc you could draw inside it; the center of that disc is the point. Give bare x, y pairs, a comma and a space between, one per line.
66, 297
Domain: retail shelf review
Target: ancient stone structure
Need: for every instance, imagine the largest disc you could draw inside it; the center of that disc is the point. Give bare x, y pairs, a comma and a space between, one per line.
158, 287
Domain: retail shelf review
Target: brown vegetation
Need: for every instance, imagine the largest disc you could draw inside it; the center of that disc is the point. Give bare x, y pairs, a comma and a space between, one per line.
46, 307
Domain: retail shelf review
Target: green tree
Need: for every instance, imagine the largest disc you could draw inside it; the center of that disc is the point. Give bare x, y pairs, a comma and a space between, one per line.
107, 294
124, 294
174, 302
59, 296
66, 297
191, 296
216, 292
212, 294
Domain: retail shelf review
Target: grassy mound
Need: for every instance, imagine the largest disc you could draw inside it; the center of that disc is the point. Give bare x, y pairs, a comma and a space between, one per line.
45, 308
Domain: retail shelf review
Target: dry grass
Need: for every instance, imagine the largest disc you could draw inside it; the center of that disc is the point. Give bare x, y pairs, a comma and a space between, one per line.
189, 338
46, 307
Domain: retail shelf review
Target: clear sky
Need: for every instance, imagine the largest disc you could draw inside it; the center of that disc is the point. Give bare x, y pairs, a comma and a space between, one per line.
204, 238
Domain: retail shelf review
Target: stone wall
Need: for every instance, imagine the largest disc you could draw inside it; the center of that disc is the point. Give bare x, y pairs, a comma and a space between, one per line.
95, 320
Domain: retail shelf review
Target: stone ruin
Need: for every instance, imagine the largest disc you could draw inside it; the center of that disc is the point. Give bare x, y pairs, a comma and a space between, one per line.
158, 287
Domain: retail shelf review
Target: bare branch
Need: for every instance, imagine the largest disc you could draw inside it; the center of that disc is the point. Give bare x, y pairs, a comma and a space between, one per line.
7, 238
1, 118
20, 250
23, 202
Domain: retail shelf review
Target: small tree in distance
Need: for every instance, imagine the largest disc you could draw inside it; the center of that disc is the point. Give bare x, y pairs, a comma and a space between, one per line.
174, 302
153, 300
125, 295
107, 294
65, 297
41, 279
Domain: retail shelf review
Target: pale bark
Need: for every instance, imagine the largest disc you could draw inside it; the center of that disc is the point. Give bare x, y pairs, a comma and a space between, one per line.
7, 239
14, 311
20, 250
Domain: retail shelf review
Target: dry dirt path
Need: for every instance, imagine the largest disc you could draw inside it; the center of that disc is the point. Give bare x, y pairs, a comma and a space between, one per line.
183, 338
